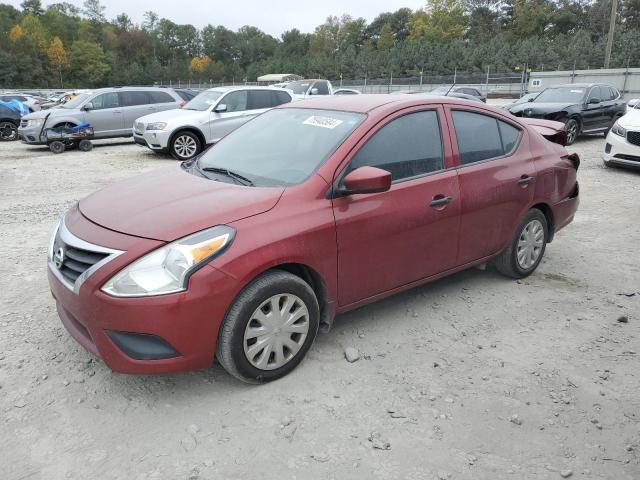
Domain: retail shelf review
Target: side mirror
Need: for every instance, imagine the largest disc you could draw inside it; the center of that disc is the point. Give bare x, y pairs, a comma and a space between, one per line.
314, 91
220, 108
594, 101
531, 99
87, 106
366, 180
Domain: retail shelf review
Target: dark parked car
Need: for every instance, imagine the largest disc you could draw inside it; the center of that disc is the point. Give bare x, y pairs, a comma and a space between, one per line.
9, 122
311, 209
583, 108
458, 91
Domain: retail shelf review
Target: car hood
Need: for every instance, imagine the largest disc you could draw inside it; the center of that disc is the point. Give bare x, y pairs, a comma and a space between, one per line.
169, 203
539, 108
176, 115
54, 112
631, 119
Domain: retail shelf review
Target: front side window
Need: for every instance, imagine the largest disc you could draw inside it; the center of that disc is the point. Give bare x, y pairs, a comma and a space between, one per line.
106, 100
282, 146
482, 137
235, 101
323, 88
406, 147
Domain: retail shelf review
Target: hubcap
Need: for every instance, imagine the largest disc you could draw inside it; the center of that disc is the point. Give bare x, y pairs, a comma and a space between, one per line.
530, 244
185, 146
276, 331
572, 132
7, 131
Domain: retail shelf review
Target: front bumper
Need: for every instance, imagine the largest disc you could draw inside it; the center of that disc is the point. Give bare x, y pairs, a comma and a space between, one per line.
157, 140
30, 135
618, 151
161, 334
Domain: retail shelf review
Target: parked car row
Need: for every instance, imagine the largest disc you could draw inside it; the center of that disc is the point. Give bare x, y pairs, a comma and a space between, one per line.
313, 208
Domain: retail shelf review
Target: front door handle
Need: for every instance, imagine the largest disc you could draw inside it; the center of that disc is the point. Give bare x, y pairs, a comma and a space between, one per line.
525, 180
440, 201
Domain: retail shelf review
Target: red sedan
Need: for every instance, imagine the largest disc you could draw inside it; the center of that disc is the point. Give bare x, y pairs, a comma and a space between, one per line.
305, 212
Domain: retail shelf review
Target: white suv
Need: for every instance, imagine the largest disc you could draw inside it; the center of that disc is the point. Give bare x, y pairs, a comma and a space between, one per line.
206, 119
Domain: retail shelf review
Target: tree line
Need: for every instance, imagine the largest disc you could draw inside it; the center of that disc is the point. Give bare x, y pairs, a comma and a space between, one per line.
62, 45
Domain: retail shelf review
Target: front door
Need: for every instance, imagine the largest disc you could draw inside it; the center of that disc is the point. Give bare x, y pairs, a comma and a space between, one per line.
497, 176
390, 239
106, 116
223, 123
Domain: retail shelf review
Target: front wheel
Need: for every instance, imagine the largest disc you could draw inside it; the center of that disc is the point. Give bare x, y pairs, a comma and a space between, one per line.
269, 328
8, 131
524, 254
573, 130
185, 145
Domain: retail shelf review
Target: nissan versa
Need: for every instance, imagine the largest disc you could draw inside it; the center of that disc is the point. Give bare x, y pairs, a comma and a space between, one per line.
309, 210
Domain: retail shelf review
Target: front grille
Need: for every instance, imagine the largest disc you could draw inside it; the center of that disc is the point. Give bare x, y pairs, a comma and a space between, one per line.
72, 261
633, 137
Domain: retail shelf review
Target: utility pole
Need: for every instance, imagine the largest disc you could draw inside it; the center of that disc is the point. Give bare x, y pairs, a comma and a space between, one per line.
612, 27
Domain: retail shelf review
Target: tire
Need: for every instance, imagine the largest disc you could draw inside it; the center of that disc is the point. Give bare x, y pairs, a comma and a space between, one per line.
234, 350
8, 131
85, 145
57, 147
513, 261
185, 145
573, 130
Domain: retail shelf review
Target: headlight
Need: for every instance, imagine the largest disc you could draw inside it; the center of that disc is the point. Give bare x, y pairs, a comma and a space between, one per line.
167, 269
618, 130
156, 126
36, 122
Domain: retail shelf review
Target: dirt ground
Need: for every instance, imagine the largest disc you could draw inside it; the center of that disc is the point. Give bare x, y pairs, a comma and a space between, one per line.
471, 377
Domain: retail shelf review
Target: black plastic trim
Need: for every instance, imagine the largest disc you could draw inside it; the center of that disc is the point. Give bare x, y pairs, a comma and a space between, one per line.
143, 346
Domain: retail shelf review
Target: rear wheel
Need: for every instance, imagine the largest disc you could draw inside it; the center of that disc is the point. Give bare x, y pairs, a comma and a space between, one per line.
524, 254
57, 147
185, 145
8, 131
269, 328
573, 130
85, 145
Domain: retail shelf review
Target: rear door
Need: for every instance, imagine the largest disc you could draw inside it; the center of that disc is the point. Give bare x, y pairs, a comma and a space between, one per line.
161, 101
496, 175
106, 116
391, 239
135, 104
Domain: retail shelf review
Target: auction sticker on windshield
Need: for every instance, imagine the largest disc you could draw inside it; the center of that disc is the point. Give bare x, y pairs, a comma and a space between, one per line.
324, 122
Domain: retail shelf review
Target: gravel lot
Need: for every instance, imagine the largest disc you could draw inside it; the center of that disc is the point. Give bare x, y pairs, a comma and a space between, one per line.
471, 377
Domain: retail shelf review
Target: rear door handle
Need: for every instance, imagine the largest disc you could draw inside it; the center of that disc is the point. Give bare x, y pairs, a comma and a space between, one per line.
440, 201
525, 180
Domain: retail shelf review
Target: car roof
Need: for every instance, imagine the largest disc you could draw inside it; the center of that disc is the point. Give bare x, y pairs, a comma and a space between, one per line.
111, 89
369, 102
243, 87
580, 85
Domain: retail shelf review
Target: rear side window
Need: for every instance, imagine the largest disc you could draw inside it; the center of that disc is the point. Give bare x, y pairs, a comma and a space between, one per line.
106, 100
133, 98
280, 98
260, 99
482, 137
161, 97
407, 147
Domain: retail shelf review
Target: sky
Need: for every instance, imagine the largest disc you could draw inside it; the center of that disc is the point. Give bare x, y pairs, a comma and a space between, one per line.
271, 16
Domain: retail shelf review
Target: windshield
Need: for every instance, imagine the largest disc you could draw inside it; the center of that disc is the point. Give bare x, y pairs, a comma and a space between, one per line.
282, 146
76, 102
561, 95
203, 101
300, 87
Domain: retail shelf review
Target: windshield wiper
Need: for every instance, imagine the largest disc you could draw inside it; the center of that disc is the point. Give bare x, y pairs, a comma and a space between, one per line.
229, 173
